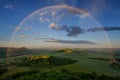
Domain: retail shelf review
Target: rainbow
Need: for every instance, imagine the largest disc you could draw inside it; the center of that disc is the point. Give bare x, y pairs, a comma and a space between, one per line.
69, 8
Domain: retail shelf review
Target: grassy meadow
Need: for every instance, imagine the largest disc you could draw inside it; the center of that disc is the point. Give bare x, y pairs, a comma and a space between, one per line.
88, 61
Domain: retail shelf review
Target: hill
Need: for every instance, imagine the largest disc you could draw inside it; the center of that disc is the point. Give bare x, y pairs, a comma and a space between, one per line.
13, 51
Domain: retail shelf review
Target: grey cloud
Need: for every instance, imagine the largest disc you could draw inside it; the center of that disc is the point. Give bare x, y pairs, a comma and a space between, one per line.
71, 41
104, 29
72, 31
45, 39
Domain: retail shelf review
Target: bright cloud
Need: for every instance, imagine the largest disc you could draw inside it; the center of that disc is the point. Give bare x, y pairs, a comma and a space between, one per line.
53, 26
23, 36
9, 6
53, 13
43, 13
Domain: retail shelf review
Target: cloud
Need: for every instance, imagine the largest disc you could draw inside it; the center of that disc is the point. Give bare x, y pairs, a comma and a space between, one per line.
83, 15
23, 36
43, 13
47, 20
54, 26
27, 28
61, 17
9, 6
46, 39
70, 41
72, 31
43, 19
95, 29
53, 13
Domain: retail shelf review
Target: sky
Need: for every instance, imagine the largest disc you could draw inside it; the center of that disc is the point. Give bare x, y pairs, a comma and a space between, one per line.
58, 33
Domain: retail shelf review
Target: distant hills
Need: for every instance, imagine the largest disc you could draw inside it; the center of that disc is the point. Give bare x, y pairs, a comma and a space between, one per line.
12, 51
3, 51
25, 51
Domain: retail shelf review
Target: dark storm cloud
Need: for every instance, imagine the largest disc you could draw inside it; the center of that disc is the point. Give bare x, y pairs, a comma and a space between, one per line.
72, 30
71, 41
104, 29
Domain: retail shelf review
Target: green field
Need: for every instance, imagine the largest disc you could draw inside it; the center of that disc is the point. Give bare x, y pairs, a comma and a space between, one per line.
87, 61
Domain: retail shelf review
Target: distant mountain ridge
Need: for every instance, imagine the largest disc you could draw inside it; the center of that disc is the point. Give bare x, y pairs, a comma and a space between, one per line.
13, 51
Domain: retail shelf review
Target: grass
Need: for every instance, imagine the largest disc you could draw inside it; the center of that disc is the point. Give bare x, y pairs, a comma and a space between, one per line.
14, 69
89, 65
84, 64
